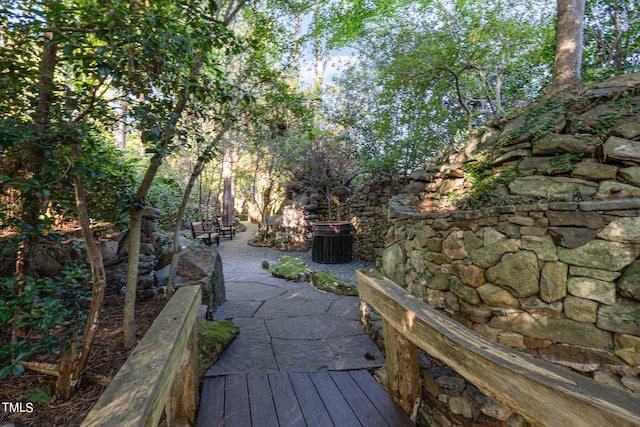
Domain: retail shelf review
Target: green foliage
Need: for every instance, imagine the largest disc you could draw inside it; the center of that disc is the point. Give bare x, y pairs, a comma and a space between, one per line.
213, 337
325, 281
290, 268
42, 395
485, 180
431, 71
565, 162
611, 39
53, 310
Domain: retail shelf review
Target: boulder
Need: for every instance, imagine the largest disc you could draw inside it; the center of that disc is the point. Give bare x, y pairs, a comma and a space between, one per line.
539, 308
542, 246
489, 255
521, 129
579, 358
393, 263
572, 237
202, 265
590, 220
628, 128
580, 309
614, 189
464, 292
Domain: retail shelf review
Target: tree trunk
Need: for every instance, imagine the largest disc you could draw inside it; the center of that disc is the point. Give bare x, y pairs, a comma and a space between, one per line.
74, 362
227, 194
33, 203
129, 320
121, 130
129, 324
567, 63
197, 171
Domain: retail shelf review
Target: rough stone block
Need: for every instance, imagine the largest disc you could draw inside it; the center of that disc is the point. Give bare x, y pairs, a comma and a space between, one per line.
537, 307
553, 281
593, 289
580, 309
559, 330
496, 296
543, 246
601, 254
607, 276
620, 317
517, 273
623, 230
590, 220
511, 339
463, 291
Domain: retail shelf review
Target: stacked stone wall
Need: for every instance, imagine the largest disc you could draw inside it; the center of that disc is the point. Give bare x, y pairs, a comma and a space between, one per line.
369, 213
560, 281
550, 262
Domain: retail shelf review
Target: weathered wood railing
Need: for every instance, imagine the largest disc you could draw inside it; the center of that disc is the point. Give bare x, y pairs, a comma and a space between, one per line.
160, 373
543, 393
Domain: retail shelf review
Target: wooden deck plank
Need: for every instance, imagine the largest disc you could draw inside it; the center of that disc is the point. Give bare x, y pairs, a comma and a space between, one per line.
263, 410
287, 406
391, 412
339, 410
298, 399
212, 403
313, 409
236, 402
360, 403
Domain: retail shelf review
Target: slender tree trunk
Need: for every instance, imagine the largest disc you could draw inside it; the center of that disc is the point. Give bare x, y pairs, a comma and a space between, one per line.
227, 192
121, 130
32, 203
197, 171
74, 361
129, 324
297, 48
567, 63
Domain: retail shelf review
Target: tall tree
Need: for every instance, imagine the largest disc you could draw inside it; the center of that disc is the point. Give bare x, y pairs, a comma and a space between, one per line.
567, 63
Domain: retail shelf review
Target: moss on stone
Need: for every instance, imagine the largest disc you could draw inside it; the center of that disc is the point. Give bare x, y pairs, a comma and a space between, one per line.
213, 338
327, 282
291, 268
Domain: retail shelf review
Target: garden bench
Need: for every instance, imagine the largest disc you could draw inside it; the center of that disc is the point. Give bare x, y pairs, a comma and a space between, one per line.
225, 230
207, 236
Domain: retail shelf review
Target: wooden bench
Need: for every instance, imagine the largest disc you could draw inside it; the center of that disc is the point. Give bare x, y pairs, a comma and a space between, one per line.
198, 231
225, 230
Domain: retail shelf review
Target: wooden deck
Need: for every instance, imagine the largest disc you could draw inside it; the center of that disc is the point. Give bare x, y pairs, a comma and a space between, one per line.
298, 399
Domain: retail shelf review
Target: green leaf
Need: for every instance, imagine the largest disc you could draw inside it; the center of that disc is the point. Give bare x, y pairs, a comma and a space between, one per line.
17, 369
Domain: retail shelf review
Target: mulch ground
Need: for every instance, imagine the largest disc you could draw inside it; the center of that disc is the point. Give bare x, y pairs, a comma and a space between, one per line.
106, 358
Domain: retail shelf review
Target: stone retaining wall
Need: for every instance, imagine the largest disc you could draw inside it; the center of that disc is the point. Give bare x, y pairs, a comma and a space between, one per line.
560, 281
369, 212
552, 266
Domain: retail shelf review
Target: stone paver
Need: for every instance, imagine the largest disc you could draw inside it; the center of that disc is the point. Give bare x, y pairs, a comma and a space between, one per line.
288, 326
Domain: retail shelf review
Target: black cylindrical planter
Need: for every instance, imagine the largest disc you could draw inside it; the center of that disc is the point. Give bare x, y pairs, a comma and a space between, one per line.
331, 242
